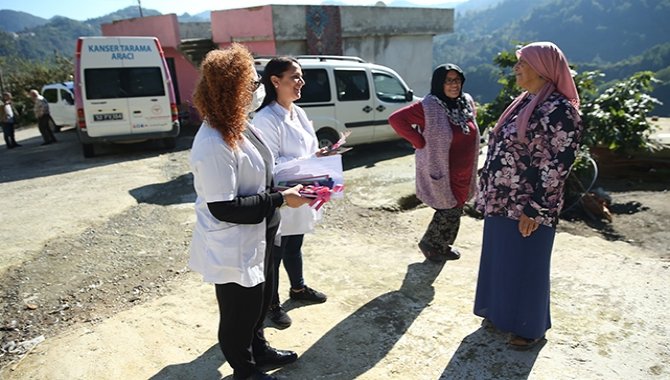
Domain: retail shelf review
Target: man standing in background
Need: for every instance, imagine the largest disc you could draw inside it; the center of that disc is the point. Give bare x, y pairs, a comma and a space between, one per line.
42, 114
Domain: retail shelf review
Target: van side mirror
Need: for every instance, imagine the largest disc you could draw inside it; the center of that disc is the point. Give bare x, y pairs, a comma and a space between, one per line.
409, 95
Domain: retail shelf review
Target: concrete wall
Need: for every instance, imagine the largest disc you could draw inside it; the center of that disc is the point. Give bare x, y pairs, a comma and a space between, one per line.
375, 21
165, 27
400, 38
195, 30
409, 55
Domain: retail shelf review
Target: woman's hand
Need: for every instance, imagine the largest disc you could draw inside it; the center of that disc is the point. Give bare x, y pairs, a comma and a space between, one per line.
527, 225
323, 152
292, 197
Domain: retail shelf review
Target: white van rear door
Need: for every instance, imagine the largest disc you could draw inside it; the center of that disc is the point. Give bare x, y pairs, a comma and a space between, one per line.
125, 87
148, 100
107, 109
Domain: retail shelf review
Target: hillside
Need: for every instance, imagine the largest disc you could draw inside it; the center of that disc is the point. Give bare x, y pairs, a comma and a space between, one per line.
619, 39
15, 21
57, 35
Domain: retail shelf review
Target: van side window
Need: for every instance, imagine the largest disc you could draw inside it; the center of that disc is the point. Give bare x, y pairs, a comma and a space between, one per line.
388, 88
125, 82
316, 88
51, 95
67, 97
352, 85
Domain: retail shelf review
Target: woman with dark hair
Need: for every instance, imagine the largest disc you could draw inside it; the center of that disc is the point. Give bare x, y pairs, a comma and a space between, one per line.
290, 136
236, 218
530, 152
447, 146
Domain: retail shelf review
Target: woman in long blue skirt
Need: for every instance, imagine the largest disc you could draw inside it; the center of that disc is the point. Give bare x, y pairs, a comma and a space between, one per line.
530, 152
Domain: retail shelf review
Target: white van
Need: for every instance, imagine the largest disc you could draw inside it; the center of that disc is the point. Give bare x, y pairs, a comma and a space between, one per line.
343, 92
60, 97
123, 92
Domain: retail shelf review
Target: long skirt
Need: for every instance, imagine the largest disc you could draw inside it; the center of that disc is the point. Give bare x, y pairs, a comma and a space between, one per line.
513, 283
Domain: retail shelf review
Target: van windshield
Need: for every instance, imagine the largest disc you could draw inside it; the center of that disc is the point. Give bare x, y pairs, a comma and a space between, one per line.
123, 82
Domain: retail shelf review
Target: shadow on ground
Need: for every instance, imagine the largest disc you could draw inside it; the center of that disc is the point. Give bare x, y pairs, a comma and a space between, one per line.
370, 332
33, 160
178, 190
484, 355
368, 155
204, 367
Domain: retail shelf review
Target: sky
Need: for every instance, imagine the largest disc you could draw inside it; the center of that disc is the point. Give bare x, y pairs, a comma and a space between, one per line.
85, 9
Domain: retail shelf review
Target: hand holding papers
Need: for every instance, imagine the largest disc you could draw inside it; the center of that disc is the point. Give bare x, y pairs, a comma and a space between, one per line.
337, 148
321, 178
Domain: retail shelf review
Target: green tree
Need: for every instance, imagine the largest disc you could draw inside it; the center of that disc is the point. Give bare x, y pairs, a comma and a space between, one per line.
488, 114
21, 75
617, 118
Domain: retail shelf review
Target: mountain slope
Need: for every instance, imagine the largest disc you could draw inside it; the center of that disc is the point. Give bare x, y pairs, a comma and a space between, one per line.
15, 21
58, 35
594, 34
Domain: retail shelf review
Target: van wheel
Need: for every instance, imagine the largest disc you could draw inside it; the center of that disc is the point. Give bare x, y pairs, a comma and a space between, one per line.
88, 150
326, 137
170, 142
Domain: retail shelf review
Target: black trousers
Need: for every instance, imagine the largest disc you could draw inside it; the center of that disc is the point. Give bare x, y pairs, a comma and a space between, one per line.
45, 129
8, 133
242, 314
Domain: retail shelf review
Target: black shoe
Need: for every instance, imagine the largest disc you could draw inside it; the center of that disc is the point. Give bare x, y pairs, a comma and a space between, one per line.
452, 254
17, 145
431, 254
46, 143
308, 294
279, 317
274, 357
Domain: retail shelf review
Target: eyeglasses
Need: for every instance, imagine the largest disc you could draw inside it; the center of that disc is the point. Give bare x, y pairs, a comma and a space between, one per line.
256, 83
453, 81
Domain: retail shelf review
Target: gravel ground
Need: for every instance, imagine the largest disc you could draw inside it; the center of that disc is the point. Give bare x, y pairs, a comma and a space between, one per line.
81, 255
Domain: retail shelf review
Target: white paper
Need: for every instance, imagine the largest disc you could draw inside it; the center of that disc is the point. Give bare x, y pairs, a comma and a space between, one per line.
312, 167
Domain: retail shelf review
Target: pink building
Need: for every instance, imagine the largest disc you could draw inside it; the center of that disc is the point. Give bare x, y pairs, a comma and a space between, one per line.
401, 38
183, 71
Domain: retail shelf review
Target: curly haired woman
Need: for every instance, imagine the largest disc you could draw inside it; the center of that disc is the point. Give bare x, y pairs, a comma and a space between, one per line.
236, 209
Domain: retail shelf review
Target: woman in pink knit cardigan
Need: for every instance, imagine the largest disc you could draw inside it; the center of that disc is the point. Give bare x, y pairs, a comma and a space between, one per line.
446, 139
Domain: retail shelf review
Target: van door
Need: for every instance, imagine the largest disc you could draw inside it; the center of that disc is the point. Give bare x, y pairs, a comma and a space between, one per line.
125, 86
147, 99
51, 96
68, 114
317, 100
107, 106
390, 95
355, 106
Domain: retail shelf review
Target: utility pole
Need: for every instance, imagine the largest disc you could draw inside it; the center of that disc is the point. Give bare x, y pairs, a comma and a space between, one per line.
2, 81
139, 5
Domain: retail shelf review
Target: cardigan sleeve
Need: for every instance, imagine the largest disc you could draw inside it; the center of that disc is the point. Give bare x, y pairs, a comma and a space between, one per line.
250, 209
403, 121
553, 148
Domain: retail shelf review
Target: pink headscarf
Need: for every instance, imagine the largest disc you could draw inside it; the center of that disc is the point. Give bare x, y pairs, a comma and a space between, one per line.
550, 63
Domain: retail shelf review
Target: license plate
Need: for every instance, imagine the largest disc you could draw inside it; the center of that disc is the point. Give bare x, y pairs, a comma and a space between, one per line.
108, 116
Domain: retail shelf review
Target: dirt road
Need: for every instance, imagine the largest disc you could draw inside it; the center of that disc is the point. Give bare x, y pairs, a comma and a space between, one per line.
94, 259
